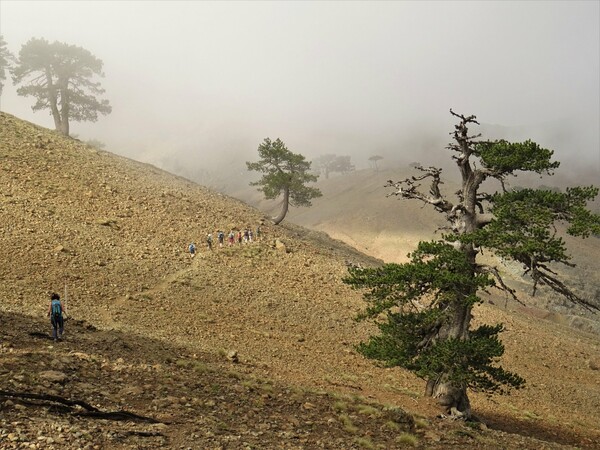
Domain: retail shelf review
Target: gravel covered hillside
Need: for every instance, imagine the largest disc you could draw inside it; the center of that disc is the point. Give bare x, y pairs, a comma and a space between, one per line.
249, 346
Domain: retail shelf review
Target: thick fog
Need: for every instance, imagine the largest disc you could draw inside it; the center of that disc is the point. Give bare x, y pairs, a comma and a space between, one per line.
196, 86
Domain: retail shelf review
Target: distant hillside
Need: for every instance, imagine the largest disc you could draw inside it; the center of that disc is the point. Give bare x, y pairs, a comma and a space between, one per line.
241, 347
355, 208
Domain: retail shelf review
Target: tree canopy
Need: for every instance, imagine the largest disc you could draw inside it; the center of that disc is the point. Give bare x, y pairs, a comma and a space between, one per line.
423, 308
373, 159
6, 58
331, 163
60, 77
284, 173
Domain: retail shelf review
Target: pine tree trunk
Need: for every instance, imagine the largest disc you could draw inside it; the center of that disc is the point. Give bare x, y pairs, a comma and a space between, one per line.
284, 208
53, 101
451, 396
64, 106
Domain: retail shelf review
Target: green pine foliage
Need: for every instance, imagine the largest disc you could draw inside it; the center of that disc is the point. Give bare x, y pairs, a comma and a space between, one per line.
423, 308
504, 157
411, 301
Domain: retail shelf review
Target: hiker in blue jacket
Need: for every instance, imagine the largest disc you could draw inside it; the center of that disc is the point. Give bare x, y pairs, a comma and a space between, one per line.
55, 312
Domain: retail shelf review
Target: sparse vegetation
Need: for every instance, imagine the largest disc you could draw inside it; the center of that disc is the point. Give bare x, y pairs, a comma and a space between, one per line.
373, 160
340, 406
421, 423
347, 422
392, 426
368, 410
407, 439
365, 442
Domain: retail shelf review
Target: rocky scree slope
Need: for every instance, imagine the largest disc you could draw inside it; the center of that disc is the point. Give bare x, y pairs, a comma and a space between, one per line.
115, 233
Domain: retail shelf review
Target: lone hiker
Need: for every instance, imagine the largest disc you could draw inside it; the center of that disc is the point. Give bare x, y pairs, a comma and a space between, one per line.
55, 312
209, 241
192, 249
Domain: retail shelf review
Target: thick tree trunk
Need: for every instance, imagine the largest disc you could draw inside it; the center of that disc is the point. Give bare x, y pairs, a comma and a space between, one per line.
451, 396
284, 208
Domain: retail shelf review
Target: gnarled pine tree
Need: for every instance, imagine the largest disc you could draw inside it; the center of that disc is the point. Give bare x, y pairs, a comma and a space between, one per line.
423, 308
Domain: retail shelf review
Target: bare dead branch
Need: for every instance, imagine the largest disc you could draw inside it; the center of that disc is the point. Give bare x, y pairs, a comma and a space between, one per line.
90, 411
50, 398
543, 275
408, 188
483, 268
117, 415
465, 120
143, 433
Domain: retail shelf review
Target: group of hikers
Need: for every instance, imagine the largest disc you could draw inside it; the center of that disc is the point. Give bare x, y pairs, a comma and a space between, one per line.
57, 310
240, 237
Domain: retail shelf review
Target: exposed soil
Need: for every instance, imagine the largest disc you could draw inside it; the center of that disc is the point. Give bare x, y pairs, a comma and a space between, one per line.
150, 328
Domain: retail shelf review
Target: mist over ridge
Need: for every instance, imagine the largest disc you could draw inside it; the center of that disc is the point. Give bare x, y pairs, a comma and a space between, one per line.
196, 86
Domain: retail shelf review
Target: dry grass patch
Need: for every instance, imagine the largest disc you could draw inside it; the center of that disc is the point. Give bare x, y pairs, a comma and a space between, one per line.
407, 439
392, 426
530, 415
348, 424
421, 423
368, 410
365, 442
340, 406
402, 390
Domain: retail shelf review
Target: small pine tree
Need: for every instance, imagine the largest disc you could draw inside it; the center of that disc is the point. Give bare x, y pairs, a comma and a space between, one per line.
284, 173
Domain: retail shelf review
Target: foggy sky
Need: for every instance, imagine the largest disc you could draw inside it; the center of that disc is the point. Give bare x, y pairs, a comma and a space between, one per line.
198, 84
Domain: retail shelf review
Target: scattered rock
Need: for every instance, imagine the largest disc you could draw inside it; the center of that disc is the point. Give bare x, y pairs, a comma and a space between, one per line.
53, 376
280, 246
401, 417
232, 356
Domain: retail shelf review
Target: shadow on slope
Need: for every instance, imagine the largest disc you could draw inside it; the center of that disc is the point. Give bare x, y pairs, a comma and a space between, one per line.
199, 400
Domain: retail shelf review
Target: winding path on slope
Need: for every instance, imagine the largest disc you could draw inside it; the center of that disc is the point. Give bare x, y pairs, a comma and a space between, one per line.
106, 315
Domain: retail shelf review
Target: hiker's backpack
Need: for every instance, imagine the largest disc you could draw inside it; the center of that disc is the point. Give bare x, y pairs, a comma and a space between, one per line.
56, 310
